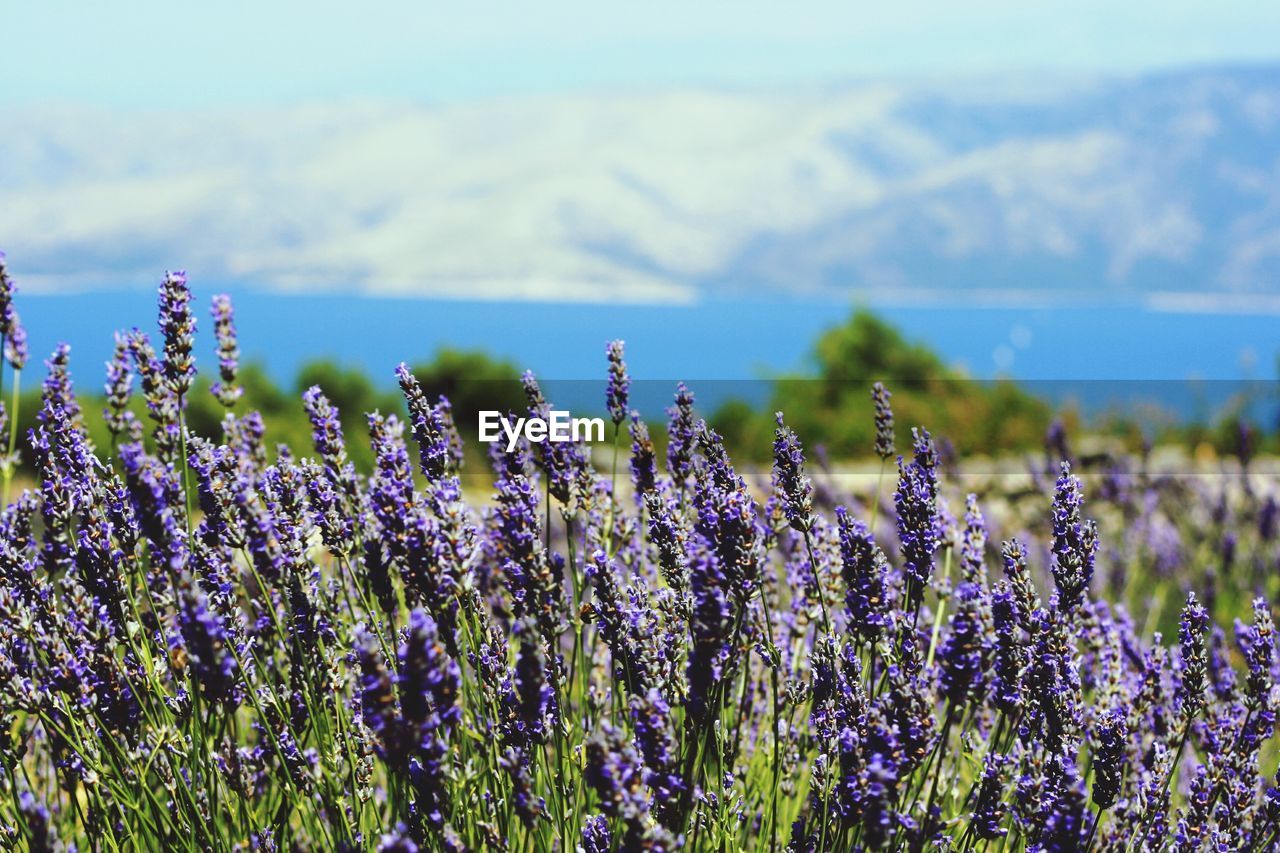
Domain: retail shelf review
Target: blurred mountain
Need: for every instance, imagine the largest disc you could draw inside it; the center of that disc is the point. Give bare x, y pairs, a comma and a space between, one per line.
1164, 189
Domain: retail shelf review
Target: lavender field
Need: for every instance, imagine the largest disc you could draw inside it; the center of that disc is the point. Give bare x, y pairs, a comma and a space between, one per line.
631, 645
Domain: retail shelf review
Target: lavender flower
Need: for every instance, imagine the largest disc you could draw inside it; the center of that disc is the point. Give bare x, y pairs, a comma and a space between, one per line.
1191, 640
727, 518
839, 700
430, 428
1260, 655
1064, 825
669, 537
225, 390
428, 686
880, 397
973, 548
119, 389
178, 327
616, 775
244, 435
326, 428
97, 562
710, 628
919, 524
619, 383
1075, 542
1055, 444
1014, 557
1108, 759
564, 462
1053, 686
681, 436
865, 572
217, 484
57, 503
377, 695
1193, 824
878, 780
793, 487
57, 394
1155, 794
205, 638
337, 528
651, 715
596, 837
1011, 658
15, 343
7, 291
398, 840
961, 654
529, 695
162, 403
619, 626
532, 581
989, 808
644, 471
12, 332
1268, 519
529, 807
391, 492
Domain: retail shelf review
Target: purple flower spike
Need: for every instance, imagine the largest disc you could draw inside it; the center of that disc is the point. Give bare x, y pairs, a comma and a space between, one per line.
865, 571
11, 329
1108, 759
1075, 541
119, 390
880, 397
1260, 655
596, 837
1191, 641
989, 810
432, 428
790, 482
681, 436
206, 641
178, 327
618, 390
644, 470
919, 521
225, 389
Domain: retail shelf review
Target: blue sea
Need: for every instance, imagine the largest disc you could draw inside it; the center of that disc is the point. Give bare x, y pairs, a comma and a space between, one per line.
1101, 354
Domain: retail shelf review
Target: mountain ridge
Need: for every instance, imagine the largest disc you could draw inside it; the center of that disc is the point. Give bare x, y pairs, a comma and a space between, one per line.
1131, 187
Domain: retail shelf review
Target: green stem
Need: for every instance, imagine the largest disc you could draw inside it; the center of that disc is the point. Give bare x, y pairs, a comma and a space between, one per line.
1097, 821
777, 745
942, 609
875, 503
817, 582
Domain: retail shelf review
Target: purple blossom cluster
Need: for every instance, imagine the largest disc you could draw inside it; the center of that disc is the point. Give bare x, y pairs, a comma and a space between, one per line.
207, 643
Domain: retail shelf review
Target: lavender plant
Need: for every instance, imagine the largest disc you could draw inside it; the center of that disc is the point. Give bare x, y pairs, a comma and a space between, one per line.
205, 645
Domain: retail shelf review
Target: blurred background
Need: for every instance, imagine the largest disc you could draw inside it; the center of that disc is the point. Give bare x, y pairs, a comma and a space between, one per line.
1082, 198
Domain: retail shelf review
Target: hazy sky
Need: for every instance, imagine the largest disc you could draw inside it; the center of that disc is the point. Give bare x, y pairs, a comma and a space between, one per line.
162, 54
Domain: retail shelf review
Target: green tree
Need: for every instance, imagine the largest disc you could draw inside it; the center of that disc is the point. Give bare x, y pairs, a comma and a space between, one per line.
832, 404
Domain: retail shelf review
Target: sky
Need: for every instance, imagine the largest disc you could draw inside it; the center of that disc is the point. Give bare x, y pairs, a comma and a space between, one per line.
268, 146
165, 54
